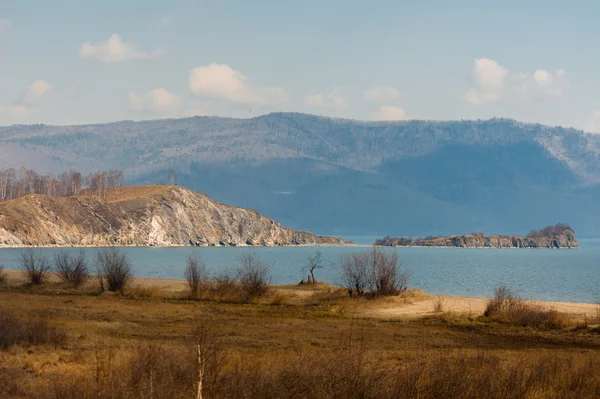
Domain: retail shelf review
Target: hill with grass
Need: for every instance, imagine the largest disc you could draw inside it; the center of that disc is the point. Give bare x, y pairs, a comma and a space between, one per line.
141, 216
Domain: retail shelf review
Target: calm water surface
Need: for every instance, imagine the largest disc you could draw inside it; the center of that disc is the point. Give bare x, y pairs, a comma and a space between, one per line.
541, 274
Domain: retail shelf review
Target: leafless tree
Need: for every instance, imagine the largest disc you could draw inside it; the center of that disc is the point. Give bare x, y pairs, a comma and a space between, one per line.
172, 177
113, 269
314, 263
253, 276
196, 275
354, 273
72, 269
2, 275
35, 266
376, 271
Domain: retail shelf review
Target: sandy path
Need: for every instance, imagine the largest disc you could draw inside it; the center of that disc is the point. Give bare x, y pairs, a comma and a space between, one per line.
463, 305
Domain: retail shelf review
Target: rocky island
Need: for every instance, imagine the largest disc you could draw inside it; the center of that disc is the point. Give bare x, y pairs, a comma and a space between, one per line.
558, 236
141, 216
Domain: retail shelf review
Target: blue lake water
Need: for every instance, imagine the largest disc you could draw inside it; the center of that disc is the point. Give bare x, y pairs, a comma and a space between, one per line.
540, 274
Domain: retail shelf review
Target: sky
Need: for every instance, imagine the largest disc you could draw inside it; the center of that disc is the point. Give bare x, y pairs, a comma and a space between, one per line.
84, 61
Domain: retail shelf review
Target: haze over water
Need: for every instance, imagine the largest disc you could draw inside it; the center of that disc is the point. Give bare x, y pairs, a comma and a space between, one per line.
539, 274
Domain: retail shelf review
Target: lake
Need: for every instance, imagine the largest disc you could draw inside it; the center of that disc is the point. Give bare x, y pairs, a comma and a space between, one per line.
540, 274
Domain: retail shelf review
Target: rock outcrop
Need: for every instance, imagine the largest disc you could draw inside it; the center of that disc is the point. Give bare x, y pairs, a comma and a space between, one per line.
157, 216
564, 239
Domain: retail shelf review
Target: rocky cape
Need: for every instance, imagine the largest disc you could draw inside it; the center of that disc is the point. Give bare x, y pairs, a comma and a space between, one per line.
142, 216
566, 239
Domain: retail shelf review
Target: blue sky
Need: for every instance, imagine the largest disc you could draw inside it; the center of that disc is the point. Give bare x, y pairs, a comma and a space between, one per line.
70, 62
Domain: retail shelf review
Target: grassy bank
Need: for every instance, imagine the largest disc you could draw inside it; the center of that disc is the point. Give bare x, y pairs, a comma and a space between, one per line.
298, 341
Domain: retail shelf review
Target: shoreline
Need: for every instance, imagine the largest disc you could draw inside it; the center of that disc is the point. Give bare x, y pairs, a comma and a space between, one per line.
419, 305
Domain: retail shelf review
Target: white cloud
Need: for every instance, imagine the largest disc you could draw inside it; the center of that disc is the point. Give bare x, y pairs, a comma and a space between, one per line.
389, 113
333, 99
36, 91
223, 82
5, 25
159, 101
381, 94
493, 82
116, 50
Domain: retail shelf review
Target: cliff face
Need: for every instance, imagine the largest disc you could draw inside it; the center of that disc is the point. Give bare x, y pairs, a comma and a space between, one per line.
162, 216
566, 239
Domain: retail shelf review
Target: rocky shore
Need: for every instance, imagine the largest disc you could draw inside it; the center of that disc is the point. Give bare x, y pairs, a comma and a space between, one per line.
565, 239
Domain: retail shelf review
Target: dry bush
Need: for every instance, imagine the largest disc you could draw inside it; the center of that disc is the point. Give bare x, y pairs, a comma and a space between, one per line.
507, 307
196, 275
28, 331
376, 272
72, 269
2, 275
35, 267
113, 269
253, 277
224, 287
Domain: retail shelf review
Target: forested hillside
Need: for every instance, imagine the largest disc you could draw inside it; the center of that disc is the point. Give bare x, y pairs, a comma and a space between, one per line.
345, 176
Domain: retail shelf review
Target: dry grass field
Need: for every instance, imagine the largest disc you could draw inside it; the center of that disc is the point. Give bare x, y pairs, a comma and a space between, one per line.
298, 342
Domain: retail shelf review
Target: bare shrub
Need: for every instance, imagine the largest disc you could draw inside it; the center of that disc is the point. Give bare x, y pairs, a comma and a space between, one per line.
72, 269
508, 307
376, 272
386, 278
196, 275
35, 266
224, 287
354, 273
2, 275
33, 331
253, 276
113, 269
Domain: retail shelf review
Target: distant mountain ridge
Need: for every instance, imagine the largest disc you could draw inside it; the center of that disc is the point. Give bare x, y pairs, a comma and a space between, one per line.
345, 176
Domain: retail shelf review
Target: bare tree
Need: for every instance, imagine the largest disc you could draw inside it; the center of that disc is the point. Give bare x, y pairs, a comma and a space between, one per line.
354, 273
2, 275
196, 274
113, 269
253, 276
314, 263
386, 278
172, 177
72, 269
376, 271
35, 266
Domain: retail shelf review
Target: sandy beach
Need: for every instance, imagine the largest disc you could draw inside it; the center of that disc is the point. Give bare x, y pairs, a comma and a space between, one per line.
415, 304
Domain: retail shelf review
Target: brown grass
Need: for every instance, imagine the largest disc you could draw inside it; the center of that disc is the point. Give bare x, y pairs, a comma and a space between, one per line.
507, 307
141, 346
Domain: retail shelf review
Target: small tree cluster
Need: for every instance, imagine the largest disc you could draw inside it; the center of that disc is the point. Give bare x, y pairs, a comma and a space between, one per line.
549, 231
16, 184
2, 275
71, 269
376, 272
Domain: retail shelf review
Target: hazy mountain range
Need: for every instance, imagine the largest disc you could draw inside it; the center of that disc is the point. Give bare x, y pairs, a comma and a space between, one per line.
344, 176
